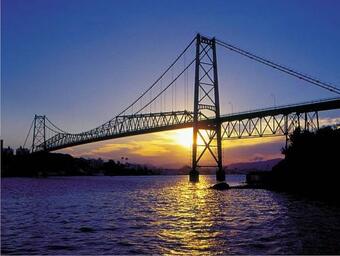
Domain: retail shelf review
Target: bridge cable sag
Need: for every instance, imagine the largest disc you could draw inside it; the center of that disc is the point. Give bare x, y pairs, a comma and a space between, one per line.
175, 79
56, 127
57, 130
159, 78
279, 67
52, 130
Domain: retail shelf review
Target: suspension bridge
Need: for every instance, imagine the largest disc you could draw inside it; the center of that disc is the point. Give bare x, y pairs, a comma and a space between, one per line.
159, 109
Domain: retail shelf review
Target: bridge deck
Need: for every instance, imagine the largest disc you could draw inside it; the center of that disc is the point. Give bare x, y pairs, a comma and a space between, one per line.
123, 126
321, 105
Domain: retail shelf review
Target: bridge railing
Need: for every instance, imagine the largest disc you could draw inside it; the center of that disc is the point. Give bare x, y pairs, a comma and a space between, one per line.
282, 107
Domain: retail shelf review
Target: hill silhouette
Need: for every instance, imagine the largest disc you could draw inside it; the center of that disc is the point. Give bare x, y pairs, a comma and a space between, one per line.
311, 165
55, 164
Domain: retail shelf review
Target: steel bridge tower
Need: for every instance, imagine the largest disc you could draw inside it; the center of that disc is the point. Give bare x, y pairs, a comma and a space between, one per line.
206, 101
39, 132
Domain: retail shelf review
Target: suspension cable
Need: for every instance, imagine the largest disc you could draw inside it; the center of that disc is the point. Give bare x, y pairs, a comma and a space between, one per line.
29, 131
184, 82
160, 77
279, 67
172, 90
58, 130
56, 127
175, 79
52, 130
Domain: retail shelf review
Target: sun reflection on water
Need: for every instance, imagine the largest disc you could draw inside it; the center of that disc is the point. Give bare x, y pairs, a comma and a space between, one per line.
190, 224
197, 220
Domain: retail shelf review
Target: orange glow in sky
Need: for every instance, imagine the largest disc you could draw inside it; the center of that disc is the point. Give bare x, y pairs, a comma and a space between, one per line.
172, 149
182, 137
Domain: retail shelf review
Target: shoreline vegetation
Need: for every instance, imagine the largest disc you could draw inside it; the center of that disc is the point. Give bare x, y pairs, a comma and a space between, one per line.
44, 164
311, 166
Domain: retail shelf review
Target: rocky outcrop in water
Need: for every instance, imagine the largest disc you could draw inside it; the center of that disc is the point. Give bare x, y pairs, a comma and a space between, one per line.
220, 186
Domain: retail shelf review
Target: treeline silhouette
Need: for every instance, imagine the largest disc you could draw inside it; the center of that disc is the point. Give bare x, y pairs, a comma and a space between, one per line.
311, 165
54, 164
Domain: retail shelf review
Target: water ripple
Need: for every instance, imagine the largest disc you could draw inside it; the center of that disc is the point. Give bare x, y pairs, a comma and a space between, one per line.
159, 215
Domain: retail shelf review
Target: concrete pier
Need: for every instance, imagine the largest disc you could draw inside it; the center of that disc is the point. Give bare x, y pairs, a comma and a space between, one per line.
194, 176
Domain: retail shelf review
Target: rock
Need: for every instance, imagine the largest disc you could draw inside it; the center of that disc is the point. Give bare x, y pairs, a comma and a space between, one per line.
86, 229
220, 186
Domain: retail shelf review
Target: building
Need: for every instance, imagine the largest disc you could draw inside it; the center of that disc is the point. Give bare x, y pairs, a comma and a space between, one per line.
22, 151
7, 151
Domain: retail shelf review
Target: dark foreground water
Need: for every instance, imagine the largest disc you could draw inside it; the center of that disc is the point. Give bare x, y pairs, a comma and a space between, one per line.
159, 214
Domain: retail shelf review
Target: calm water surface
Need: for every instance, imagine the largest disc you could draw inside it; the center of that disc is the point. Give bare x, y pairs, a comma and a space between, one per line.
159, 214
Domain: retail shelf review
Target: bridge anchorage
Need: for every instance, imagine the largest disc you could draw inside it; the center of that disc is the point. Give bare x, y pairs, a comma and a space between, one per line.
149, 113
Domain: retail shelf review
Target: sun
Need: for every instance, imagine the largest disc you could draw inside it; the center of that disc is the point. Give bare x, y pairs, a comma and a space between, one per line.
183, 137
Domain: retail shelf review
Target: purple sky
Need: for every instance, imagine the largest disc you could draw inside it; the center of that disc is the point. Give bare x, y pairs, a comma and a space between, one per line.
81, 62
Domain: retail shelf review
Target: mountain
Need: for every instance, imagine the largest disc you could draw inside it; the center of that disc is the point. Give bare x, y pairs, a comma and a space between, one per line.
243, 168
236, 168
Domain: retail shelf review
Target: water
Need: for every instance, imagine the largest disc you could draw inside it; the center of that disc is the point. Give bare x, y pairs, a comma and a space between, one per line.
159, 214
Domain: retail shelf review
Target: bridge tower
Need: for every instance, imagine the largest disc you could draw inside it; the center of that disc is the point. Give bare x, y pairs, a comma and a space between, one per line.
206, 138
39, 132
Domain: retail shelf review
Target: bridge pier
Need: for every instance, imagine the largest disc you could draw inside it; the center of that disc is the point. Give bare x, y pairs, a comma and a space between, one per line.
194, 176
220, 175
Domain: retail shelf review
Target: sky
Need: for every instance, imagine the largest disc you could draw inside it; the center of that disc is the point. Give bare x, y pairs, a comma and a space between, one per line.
80, 62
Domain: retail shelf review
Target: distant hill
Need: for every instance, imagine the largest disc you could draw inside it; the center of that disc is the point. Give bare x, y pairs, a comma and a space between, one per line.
244, 168
236, 168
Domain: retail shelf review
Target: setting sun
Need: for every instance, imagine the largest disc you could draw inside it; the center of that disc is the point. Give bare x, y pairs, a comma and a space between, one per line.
183, 137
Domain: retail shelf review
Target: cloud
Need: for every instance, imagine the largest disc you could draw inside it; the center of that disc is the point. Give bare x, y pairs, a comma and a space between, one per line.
138, 145
329, 121
112, 147
251, 142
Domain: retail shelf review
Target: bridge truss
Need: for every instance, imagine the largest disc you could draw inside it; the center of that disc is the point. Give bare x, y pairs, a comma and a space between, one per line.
276, 121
